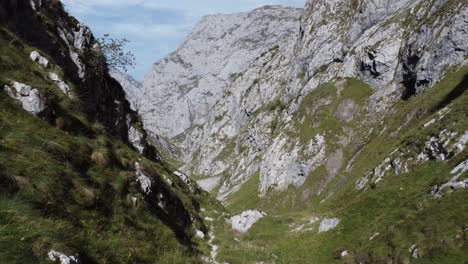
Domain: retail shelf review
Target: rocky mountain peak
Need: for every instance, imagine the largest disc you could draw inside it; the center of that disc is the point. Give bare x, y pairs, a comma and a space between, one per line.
237, 77
333, 134
217, 51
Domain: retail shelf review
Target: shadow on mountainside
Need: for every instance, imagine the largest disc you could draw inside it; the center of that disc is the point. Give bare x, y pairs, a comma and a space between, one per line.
458, 91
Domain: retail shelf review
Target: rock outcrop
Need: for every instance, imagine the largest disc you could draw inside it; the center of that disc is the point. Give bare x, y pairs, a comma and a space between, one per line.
244, 221
74, 52
328, 224
231, 100
30, 99
75, 161
182, 89
61, 258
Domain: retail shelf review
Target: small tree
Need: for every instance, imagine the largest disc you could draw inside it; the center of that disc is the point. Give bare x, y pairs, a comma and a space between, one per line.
114, 52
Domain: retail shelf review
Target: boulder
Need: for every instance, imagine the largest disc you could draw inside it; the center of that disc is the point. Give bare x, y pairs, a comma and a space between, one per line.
36, 57
30, 99
244, 221
61, 258
328, 224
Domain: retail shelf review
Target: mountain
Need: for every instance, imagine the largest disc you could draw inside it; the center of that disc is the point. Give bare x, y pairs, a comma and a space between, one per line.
340, 130
79, 182
132, 87
182, 89
224, 124
336, 133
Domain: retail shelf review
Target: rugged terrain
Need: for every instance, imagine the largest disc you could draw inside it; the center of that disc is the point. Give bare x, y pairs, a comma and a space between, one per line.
336, 133
79, 182
339, 136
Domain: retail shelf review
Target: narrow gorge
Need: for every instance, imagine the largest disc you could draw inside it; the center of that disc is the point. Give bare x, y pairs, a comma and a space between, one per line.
333, 133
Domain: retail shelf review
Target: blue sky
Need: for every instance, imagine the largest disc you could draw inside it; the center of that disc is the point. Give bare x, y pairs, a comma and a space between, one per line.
155, 27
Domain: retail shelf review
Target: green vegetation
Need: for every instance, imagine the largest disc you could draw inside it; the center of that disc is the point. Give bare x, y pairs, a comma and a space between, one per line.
247, 197
317, 113
301, 75
60, 197
66, 185
255, 82
399, 208
275, 105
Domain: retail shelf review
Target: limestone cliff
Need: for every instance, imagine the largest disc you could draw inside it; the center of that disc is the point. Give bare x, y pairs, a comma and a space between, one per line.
228, 100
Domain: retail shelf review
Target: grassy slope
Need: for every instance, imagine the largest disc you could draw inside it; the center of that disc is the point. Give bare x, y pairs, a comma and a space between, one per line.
69, 187
399, 208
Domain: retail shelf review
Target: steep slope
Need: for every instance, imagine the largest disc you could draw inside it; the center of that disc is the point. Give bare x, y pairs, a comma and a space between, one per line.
378, 43
78, 181
182, 89
349, 136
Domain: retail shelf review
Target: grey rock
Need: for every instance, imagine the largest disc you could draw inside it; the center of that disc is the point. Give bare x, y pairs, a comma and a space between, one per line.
79, 64
79, 39
145, 182
59, 257
346, 110
63, 86
362, 183
328, 224
190, 183
219, 48
244, 221
36, 4
454, 183
36, 57
134, 201
30, 99
438, 147
218, 84
82, 37
136, 138
414, 251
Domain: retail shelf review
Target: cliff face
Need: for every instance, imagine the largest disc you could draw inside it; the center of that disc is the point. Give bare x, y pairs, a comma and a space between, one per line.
340, 138
79, 182
182, 89
101, 96
233, 128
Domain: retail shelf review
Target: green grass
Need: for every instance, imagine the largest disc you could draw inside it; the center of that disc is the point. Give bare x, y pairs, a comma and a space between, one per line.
399, 208
246, 198
53, 185
317, 113
67, 185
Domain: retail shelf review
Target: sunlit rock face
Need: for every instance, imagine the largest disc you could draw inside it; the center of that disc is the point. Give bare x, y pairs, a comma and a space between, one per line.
182, 89
227, 97
30, 99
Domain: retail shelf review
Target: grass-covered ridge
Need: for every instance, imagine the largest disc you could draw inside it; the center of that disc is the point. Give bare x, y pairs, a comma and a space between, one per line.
68, 185
398, 212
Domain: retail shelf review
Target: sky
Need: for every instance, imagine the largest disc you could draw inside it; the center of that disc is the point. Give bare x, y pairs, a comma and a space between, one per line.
155, 28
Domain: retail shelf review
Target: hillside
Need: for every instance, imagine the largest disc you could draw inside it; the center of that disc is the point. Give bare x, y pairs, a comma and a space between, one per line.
78, 181
343, 141
335, 133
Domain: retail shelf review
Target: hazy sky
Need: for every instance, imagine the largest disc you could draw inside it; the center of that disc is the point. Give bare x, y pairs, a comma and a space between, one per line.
155, 27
